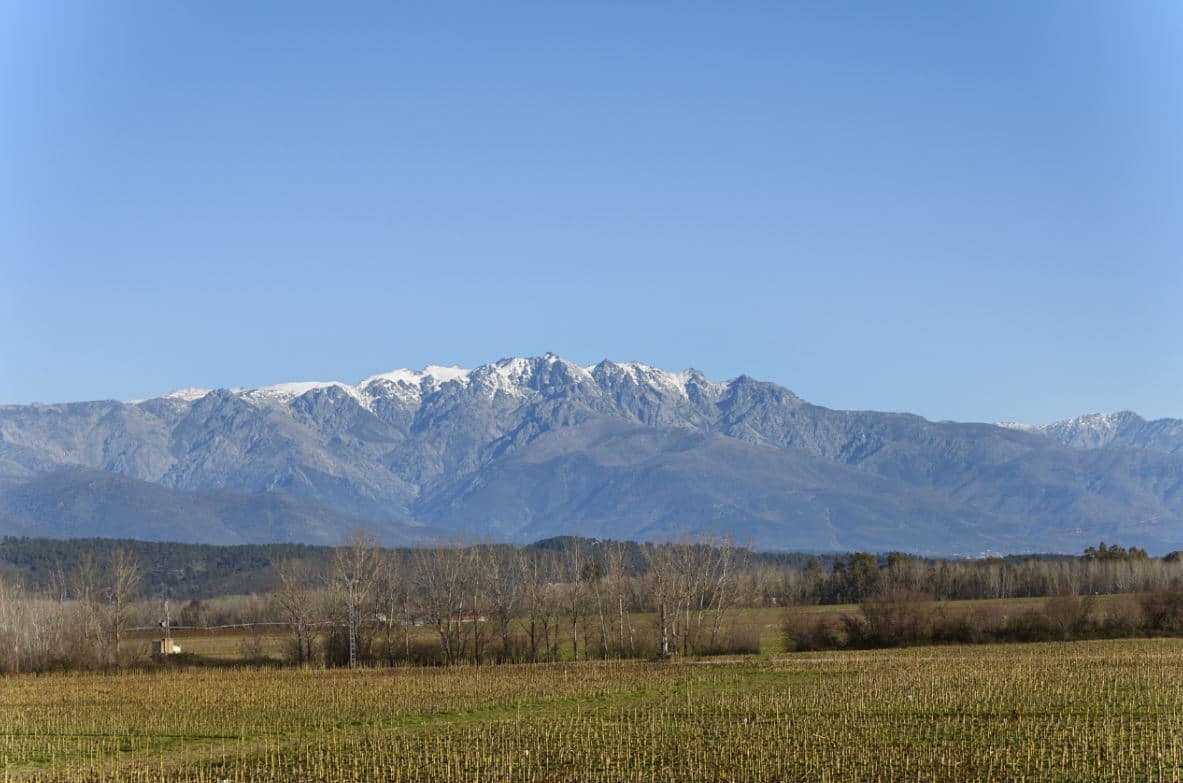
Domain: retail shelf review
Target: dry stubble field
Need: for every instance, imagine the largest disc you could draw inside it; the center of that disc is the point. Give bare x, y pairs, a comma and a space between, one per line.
1110, 710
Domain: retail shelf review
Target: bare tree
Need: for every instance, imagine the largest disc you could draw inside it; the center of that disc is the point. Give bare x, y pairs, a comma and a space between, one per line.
395, 605
535, 571
614, 575
122, 588
576, 562
724, 585
87, 588
706, 576
503, 594
13, 628
478, 587
662, 582
597, 585
353, 575
441, 580
297, 599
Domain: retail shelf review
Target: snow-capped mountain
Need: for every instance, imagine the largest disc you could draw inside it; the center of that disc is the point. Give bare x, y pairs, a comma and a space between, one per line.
515, 377
524, 448
1099, 430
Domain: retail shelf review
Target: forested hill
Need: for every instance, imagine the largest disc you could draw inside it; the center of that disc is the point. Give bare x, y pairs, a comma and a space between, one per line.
176, 570
201, 570
185, 571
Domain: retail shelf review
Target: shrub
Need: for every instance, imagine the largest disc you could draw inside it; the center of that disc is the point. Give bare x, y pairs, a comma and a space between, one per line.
813, 631
1070, 615
973, 626
1123, 617
897, 617
734, 638
250, 648
1163, 610
1029, 626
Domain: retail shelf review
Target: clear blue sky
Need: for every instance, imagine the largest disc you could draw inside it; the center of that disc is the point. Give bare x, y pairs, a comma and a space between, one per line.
969, 211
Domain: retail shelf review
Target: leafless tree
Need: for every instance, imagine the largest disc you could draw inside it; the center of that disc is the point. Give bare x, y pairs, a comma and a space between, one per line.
536, 571
298, 601
503, 594
394, 600
662, 585
575, 572
618, 586
87, 588
353, 576
122, 588
723, 578
441, 581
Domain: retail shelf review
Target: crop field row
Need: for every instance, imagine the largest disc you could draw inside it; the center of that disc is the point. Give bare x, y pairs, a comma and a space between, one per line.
1103, 711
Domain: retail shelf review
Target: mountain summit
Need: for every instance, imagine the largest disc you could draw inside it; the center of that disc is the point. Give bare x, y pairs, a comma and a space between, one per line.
524, 448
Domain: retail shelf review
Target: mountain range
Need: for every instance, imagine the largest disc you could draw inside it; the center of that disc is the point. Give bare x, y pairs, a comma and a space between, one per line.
526, 448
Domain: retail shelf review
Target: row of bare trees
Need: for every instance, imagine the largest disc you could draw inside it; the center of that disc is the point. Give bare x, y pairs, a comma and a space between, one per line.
571, 599
80, 623
490, 602
855, 577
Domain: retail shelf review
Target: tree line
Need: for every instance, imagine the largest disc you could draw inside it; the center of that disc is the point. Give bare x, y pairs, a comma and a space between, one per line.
497, 603
566, 599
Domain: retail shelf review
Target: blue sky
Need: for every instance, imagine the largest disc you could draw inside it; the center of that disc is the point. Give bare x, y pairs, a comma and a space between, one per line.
969, 211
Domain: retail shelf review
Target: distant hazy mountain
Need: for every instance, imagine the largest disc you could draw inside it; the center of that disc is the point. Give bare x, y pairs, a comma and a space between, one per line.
79, 503
526, 448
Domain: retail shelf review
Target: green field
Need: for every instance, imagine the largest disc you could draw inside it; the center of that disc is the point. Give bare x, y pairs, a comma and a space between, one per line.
1109, 710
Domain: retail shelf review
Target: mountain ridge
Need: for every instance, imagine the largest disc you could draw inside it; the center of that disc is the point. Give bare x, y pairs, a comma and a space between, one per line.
528, 447
1098, 430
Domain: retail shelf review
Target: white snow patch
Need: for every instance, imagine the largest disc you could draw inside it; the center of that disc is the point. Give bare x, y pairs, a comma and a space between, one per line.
286, 392
514, 376
409, 385
394, 376
191, 394
645, 375
510, 376
1103, 422
446, 374
664, 380
1018, 425
433, 374
581, 374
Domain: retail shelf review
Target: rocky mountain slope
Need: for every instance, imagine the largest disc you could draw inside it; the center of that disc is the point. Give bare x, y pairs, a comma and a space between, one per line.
1124, 428
525, 448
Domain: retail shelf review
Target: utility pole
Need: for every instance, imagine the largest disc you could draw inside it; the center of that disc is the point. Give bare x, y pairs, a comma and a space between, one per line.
351, 604
355, 567
166, 644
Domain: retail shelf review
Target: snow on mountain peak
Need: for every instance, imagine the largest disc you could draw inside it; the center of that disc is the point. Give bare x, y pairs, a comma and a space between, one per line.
434, 373
445, 374
1019, 425
190, 394
285, 392
1090, 431
646, 375
514, 377
1097, 422
508, 375
408, 385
